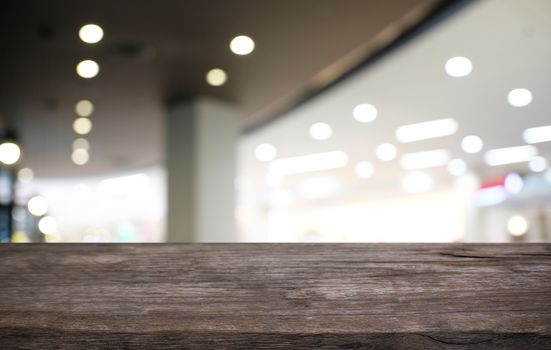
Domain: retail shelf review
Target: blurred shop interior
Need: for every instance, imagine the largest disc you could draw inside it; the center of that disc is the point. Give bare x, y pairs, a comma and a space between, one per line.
275, 121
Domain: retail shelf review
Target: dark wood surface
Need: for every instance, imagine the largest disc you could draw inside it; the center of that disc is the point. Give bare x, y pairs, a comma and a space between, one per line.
275, 296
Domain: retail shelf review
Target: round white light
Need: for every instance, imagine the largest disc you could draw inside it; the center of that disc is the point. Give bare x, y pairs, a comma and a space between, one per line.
82, 126
457, 167
80, 156
242, 45
519, 97
513, 183
25, 175
472, 144
47, 225
416, 181
364, 169
216, 77
84, 108
38, 206
81, 143
9, 153
537, 164
87, 69
90, 33
386, 151
365, 113
265, 152
517, 225
321, 131
458, 67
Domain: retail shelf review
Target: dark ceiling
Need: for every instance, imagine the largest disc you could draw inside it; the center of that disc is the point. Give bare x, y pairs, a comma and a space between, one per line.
155, 49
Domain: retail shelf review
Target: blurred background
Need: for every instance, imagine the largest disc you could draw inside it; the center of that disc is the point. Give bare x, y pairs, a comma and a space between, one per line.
275, 121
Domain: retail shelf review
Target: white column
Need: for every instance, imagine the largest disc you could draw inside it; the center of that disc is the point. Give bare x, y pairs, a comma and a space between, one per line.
200, 161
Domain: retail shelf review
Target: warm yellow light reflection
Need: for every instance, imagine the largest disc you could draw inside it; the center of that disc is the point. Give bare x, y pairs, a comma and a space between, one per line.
81, 143
84, 108
20, 237
82, 126
90, 33
87, 69
80, 156
9, 153
38, 206
242, 45
517, 226
216, 77
47, 225
25, 175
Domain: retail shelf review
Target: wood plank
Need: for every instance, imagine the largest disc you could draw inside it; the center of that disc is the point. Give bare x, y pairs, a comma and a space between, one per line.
264, 296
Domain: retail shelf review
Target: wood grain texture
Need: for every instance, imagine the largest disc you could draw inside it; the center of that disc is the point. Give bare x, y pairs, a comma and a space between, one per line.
275, 296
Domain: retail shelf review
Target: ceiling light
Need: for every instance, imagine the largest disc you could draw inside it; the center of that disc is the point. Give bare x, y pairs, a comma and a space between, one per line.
90, 33
9, 153
365, 113
47, 225
458, 67
517, 226
457, 167
80, 156
364, 169
84, 108
537, 164
308, 163
242, 45
216, 77
82, 126
25, 175
81, 143
38, 206
510, 155
519, 97
416, 181
265, 152
425, 159
386, 151
87, 69
513, 183
321, 131
537, 135
472, 144
426, 130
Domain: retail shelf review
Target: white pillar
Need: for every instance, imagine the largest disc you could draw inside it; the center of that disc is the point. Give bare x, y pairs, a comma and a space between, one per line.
200, 161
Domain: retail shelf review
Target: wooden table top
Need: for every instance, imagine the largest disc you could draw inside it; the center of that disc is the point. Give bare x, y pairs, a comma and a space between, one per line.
275, 296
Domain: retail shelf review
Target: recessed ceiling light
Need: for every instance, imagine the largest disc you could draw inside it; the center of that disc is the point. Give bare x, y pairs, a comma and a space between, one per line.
425, 159
25, 175
82, 126
365, 113
472, 144
9, 153
47, 225
265, 152
537, 164
216, 77
87, 69
308, 163
242, 45
426, 130
458, 67
517, 225
80, 156
364, 169
81, 143
90, 33
386, 151
457, 167
510, 155
84, 108
519, 97
38, 205
416, 181
321, 131
537, 135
